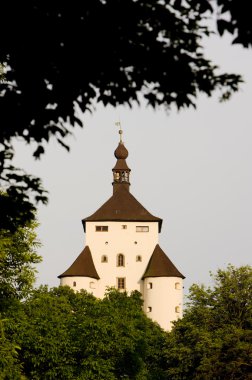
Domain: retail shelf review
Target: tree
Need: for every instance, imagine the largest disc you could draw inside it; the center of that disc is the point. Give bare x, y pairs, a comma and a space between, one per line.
17, 259
214, 339
67, 57
67, 335
2, 72
10, 368
235, 19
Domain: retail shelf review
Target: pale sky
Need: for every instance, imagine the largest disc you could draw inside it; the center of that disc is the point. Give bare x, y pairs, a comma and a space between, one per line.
192, 169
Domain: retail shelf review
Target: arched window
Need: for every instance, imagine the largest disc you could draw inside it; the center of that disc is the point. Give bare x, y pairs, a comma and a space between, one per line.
177, 285
177, 309
149, 285
104, 259
120, 260
92, 285
74, 283
149, 309
139, 258
116, 176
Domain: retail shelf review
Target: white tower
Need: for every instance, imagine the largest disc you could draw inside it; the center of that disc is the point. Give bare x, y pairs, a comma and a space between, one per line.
122, 251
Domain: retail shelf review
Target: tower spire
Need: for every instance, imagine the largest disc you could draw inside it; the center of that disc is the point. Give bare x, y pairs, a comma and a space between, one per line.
121, 170
118, 124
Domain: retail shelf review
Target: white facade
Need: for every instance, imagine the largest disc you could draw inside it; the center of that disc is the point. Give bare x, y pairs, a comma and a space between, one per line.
121, 238
80, 282
124, 253
163, 299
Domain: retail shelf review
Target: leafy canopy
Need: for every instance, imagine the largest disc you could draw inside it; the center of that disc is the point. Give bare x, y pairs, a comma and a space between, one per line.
67, 335
62, 57
60, 334
214, 339
18, 255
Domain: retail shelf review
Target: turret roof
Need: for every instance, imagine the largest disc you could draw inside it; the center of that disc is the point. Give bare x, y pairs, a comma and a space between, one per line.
161, 266
121, 152
122, 206
83, 266
121, 165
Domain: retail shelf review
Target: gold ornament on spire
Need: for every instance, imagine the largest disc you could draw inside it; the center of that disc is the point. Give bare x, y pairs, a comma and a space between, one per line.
118, 124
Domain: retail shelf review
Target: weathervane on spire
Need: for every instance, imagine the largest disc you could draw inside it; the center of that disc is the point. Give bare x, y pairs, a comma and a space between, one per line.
118, 124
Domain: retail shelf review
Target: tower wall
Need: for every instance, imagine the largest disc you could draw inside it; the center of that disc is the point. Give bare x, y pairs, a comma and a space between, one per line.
121, 240
163, 298
78, 282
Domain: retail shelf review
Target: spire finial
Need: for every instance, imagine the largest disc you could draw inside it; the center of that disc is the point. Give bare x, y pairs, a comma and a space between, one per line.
118, 124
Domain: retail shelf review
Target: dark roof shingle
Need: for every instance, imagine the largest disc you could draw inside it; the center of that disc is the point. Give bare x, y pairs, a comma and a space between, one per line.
161, 266
122, 206
83, 266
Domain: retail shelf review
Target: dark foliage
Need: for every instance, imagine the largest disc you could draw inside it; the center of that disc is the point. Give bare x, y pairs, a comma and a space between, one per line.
67, 335
235, 18
62, 56
213, 340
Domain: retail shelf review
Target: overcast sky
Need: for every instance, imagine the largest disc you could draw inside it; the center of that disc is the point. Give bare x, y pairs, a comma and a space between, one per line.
192, 169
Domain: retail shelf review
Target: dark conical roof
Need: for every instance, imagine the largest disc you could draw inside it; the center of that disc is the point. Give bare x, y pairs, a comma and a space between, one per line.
161, 266
83, 266
122, 206
121, 165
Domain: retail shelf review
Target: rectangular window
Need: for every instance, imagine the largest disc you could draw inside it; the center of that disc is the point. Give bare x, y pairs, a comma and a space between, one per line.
121, 282
142, 228
101, 228
124, 226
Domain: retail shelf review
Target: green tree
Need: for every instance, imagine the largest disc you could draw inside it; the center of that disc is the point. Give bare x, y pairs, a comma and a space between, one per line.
18, 257
214, 338
67, 335
10, 368
107, 51
2, 72
122, 342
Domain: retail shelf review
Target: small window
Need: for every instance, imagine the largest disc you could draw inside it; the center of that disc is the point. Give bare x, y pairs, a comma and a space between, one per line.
120, 260
177, 285
149, 285
116, 176
121, 282
124, 226
142, 228
139, 258
104, 259
149, 309
92, 285
74, 283
101, 228
177, 309
135, 242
